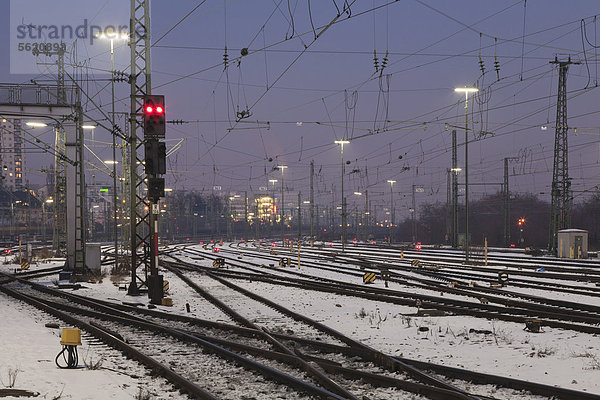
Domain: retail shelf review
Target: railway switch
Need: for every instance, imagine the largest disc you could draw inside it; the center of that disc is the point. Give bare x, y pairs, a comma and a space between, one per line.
70, 339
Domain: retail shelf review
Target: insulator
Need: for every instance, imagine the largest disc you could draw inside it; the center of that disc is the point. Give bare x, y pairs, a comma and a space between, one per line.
225, 58
497, 66
375, 61
385, 60
481, 65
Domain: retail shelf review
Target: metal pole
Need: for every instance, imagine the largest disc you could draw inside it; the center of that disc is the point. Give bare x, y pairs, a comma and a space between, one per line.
317, 225
414, 221
312, 201
506, 206
367, 216
44, 222
391, 212
299, 216
454, 191
448, 206
114, 150
229, 219
246, 215
281, 208
467, 241
343, 202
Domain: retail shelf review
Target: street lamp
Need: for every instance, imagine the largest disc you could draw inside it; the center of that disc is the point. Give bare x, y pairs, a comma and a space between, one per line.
344, 225
34, 124
112, 36
273, 182
282, 168
466, 91
392, 211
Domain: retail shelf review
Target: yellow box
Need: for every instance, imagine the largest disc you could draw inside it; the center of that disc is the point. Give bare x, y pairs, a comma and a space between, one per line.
70, 337
167, 301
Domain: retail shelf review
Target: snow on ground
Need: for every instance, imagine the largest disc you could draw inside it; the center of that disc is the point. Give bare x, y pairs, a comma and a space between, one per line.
29, 348
555, 357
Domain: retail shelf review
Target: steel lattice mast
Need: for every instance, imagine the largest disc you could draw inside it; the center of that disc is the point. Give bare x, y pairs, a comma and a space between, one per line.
560, 209
140, 85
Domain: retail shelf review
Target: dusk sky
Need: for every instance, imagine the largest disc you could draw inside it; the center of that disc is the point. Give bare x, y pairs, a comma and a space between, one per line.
304, 92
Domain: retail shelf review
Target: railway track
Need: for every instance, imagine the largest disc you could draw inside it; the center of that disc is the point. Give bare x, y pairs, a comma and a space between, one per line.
231, 275
199, 367
359, 371
108, 318
556, 314
308, 328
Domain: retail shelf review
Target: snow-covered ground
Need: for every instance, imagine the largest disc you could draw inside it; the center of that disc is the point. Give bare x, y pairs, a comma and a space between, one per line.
28, 350
556, 357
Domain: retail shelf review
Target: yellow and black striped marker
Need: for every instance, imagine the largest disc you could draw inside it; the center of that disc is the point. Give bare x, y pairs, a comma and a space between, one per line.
415, 263
25, 265
165, 286
285, 261
369, 277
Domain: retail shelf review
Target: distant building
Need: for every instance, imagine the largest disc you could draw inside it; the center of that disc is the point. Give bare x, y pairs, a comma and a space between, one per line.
12, 148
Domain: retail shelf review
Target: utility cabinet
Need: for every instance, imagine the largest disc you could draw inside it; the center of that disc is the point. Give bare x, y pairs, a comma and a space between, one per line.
573, 243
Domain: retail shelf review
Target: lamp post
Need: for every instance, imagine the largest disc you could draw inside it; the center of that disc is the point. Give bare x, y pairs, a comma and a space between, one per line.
344, 224
466, 91
112, 36
195, 221
93, 224
273, 182
358, 226
281, 212
392, 211
49, 201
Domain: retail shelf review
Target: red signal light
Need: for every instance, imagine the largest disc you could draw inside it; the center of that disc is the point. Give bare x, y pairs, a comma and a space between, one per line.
154, 116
